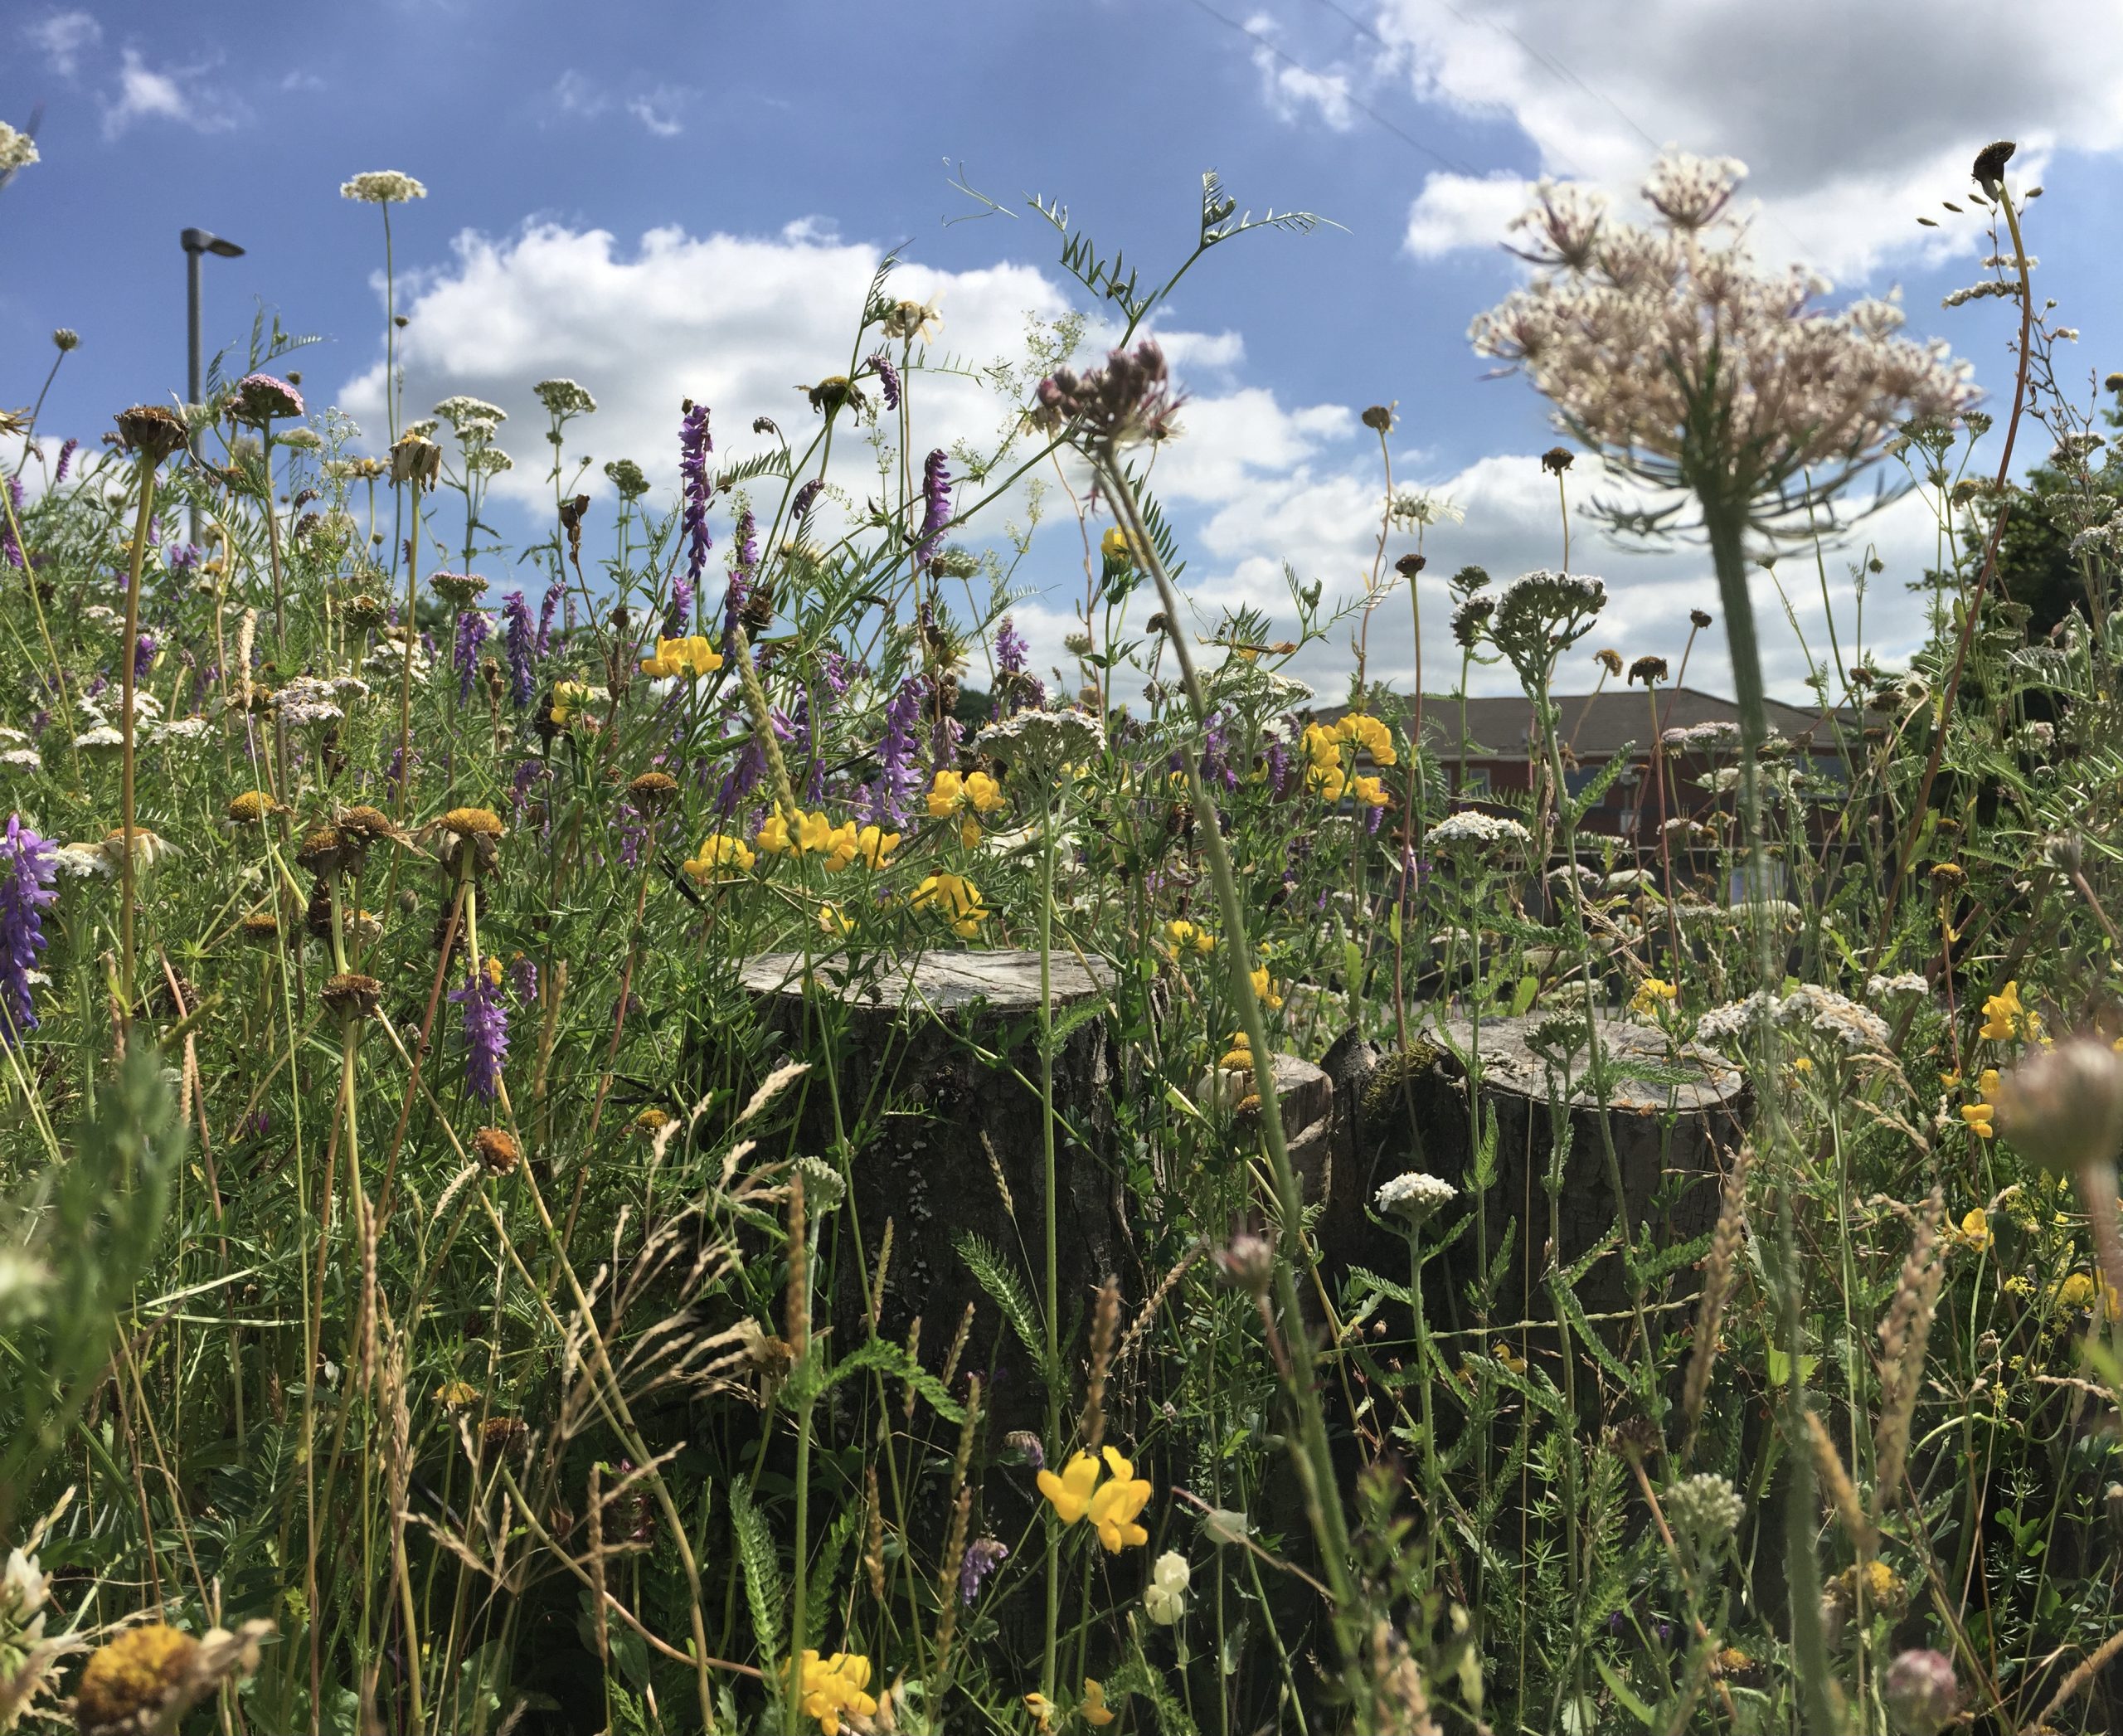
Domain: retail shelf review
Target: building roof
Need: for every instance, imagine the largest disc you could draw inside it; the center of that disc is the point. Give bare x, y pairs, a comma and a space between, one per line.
1597, 725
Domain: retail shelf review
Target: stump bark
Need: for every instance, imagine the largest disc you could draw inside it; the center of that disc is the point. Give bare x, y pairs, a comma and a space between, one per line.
1394, 1113
936, 1064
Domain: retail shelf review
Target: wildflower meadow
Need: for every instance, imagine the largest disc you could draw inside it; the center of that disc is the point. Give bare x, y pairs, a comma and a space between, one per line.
657, 1131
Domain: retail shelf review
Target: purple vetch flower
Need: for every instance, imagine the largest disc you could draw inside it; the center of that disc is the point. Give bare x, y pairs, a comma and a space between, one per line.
10, 550
519, 647
899, 777
145, 644
28, 867
744, 777
888, 384
65, 460
697, 484
523, 980
681, 611
100, 684
744, 565
1279, 768
836, 671
184, 557
547, 609
472, 628
486, 1029
983, 1556
806, 497
1372, 818
936, 506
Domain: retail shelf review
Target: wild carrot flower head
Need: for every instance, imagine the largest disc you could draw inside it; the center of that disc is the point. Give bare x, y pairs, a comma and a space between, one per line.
28, 868
383, 187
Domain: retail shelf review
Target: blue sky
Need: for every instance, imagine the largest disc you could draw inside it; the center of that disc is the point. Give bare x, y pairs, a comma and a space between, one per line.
771, 151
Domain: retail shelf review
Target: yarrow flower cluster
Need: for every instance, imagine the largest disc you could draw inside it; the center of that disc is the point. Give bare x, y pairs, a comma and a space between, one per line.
564, 397
1415, 1199
1473, 828
1823, 1011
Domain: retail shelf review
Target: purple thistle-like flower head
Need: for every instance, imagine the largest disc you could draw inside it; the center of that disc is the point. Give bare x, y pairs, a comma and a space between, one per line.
472, 628
65, 460
28, 866
935, 505
887, 379
519, 648
261, 398
983, 1556
697, 485
486, 1029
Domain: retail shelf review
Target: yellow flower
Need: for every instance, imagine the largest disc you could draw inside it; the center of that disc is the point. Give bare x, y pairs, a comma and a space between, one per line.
1986, 1086
569, 697
1040, 1706
774, 837
1978, 1117
2003, 1017
2076, 1291
691, 655
1368, 791
814, 832
1652, 994
959, 899
1265, 991
1239, 1059
983, 794
1975, 1230
456, 1394
719, 850
1114, 546
831, 1686
1367, 733
131, 1681
873, 845
1511, 1359
1095, 1711
1120, 1499
1069, 1494
946, 795
836, 922
1188, 936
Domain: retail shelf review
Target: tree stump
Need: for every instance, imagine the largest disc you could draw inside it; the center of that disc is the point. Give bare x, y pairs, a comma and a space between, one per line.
1409, 1111
948, 1143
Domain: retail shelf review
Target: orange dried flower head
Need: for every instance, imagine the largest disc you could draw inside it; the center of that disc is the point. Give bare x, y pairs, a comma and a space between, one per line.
496, 1148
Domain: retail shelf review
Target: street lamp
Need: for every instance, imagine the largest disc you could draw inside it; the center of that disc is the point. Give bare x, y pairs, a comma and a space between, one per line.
197, 244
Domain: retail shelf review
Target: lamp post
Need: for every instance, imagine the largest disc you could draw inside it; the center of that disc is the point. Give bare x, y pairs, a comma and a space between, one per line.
197, 244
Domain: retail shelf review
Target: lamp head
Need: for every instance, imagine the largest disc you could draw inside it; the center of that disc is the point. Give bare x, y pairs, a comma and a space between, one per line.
201, 241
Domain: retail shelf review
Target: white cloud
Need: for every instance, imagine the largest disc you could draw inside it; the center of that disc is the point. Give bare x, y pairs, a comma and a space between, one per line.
659, 110
1454, 211
1291, 89
736, 322
172, 93
575, 96
63, 38
1853, 119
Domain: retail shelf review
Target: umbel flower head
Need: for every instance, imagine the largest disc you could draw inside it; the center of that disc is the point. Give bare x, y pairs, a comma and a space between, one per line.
383, 187
1664, 352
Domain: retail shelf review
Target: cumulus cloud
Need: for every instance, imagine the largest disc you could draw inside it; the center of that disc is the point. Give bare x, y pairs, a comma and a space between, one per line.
168, 93
1455, 210
63, 38
1853, 118
1293, 89
1253, 481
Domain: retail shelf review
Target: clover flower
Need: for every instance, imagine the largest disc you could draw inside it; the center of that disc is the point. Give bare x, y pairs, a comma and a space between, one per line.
2064, 1106
1707, 1508
1921, 1694
486, 1029
1164, 1599
28, 868
383, 187
697, 485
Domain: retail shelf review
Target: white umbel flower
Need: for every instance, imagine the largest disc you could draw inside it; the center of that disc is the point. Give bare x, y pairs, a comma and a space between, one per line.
383, 187
1414, 1198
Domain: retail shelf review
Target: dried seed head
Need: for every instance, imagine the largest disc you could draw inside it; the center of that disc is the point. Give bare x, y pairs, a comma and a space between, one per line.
1990, 169
261, 928
252, 806
1248, 1263
1408, 566
1609, 660
1379, 417
654, 791
1699, 619
152, 431
1556, 460
1647, 670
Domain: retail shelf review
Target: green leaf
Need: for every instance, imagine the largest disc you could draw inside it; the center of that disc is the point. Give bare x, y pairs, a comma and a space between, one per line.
986, 1264
1621, 1689
764, 1592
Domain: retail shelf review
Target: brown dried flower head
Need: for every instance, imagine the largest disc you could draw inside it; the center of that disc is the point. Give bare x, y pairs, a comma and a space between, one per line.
1989, 166
325, 850
367, 825
1647, 670
496, 1148
252, 806
654, 791
352, 995
1379, 418
416, 460
261, 928
1556, 460
152, 431
1699, 619
1609, 660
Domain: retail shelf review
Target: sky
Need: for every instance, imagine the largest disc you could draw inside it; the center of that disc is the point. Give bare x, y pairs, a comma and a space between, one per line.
672, 199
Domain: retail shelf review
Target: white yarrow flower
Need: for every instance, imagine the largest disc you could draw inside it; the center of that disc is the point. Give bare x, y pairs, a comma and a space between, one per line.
1414, 1198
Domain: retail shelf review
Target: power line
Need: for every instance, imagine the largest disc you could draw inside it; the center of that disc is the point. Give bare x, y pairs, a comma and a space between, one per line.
1457, 166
